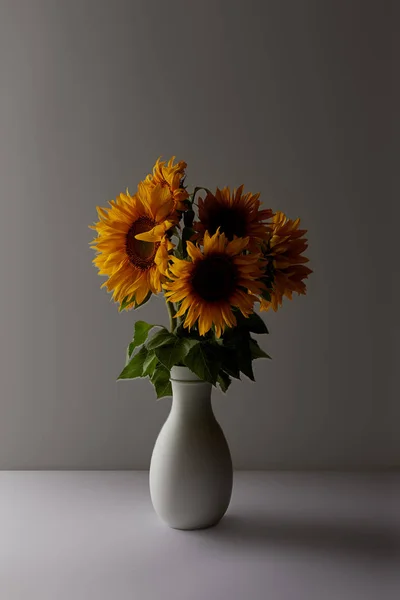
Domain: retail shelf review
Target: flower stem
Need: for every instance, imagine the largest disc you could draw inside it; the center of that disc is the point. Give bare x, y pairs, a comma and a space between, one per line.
171, 313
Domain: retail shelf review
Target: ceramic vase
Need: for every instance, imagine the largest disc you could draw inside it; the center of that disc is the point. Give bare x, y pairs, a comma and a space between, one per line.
191, 466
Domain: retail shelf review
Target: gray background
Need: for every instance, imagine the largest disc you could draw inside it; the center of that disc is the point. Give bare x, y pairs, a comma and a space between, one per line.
294, 99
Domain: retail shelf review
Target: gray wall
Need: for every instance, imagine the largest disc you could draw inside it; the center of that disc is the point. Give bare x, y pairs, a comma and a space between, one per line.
293, 99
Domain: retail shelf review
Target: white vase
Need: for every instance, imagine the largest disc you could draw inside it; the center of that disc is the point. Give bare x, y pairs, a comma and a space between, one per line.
191, 466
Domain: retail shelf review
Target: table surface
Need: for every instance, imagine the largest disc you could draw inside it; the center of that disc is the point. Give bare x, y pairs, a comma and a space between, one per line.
93, 535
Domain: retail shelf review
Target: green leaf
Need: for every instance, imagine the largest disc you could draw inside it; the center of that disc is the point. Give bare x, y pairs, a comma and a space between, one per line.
224, 381
228, 358
135, 366
161, 381
140, 335
253, 323
149, 364
129, 299
238, 339
244, 361
187, 233
125, 302
232, 336
174, 354
256, 351
266, 294
203, 362
160, 338
188, 218
179, 249
173, 231
197, 189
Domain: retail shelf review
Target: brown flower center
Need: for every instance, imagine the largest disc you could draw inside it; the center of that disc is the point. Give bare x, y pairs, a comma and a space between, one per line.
230, 220
141, 254
214, 278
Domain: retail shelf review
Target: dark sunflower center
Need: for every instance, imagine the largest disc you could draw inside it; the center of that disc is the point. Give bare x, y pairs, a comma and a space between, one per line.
141, 254
214, 278
230, 220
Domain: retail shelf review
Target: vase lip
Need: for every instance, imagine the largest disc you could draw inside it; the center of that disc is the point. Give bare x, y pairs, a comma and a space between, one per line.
183, 374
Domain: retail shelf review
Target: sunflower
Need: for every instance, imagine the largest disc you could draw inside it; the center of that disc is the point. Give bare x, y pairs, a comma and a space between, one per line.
134, 267
215, 280
285, 262
235, 214
170, 176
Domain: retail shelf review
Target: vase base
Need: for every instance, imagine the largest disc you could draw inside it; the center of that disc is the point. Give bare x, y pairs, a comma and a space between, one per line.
196, 528
193, 527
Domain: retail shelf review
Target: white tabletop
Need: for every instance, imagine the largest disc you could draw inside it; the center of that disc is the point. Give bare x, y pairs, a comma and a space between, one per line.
94, 536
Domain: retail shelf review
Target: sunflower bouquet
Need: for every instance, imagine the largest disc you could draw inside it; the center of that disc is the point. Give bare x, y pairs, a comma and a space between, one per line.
214, 256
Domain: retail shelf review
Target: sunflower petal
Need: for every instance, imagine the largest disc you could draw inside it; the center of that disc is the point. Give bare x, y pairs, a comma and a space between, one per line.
156, 233
193, 251
132, 268
284, 253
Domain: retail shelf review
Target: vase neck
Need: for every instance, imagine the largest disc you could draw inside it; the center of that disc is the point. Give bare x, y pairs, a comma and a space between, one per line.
191, 399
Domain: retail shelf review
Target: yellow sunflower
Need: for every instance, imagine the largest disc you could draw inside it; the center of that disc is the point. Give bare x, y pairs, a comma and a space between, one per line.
285, 261
170, 176
235, 214
134, 267
215, 280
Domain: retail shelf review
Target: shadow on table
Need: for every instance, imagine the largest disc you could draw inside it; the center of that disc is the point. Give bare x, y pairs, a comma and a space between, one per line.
260, 530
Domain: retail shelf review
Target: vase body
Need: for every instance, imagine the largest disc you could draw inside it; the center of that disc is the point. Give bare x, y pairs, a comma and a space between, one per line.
191, 467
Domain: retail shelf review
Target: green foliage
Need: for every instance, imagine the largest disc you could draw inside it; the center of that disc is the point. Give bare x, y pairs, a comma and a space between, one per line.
187, 233
239, 349
140, 335
135, 366
237, 340
161, 338
203, 361
161, 381
129, 299
266, 295
125, 302
213, 360
174, 353
149, 364
228, 358
188, 217
197, 189
256, 351
253, 323
224, 381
